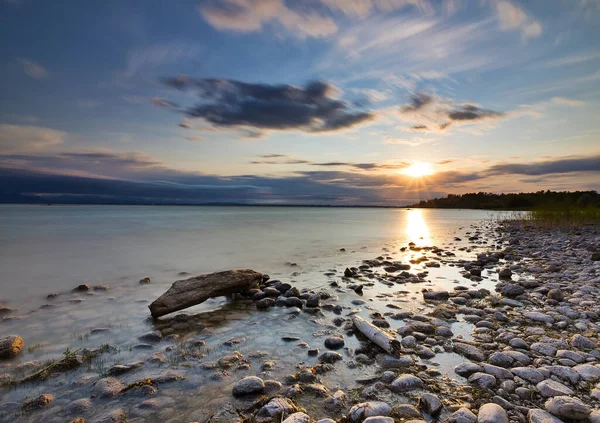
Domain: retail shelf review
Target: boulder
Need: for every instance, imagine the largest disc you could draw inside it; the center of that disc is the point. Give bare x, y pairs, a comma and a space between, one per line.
492, 413
248, 385
568, 407
10, 346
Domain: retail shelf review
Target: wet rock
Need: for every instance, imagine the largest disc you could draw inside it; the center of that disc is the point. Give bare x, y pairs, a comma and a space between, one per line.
379, 419
265, 303
361, 411
436, 295
37, 403
406, 383
513, 290
518, 343
528, 374
144, 281
334, 342
431, 404
275, 410
108, 387
587, 372
336, 402
330, 357
505, 273
227, 413
469, 351
297, 418
114, 416
10, 346
482, 380
313, 301
556, 294
248, 385
151, 337
407, 411
492, 413
549, 388
538, 317
541, 416
80, 406
462, 415
467, 369
568, 408
82, 288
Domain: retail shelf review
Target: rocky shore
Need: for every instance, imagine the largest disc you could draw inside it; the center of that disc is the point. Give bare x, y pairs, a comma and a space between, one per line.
530, 299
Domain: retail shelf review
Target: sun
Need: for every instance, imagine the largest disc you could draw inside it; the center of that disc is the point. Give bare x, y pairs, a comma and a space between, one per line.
418, 170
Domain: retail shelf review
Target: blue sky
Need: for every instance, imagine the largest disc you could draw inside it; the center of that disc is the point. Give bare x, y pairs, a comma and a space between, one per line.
319, 101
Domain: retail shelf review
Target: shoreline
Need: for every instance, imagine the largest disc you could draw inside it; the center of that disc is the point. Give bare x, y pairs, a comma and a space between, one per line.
534, 339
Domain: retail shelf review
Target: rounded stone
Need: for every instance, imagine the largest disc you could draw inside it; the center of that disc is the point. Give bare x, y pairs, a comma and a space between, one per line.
248, 385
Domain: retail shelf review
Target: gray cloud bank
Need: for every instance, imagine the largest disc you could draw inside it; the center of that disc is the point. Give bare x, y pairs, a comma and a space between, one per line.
104, 177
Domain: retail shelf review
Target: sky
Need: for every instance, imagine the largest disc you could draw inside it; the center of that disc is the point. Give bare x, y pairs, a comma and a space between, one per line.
330, 102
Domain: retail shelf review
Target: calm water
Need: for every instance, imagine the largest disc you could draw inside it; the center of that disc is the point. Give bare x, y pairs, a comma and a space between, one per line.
53, 249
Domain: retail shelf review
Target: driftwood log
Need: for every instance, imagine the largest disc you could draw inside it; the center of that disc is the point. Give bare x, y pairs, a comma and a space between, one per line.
10, 346
196, 290
377, 336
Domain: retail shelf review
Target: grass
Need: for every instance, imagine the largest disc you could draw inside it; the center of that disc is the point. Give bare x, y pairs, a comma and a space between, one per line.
559, 217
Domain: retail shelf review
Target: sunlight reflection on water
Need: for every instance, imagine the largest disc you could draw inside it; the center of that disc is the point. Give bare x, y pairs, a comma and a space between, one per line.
417, 230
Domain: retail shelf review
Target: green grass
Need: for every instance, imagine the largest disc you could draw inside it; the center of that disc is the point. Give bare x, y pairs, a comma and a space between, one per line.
563, 218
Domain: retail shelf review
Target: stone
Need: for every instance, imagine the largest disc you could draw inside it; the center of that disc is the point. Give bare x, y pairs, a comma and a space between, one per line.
275, 410
544, 349
492, 413
10, 346
513, 290
467, 369
528, 374
378, 419
144, 281
406, 411
108, 387
482, 380
151, 337
587, 372
499, 373
462, 415
469, 351
431, 404
37, 403
556, 294
505, 273
518, 343
79, 406
536, 316
360, 412
582, 343
248, 386
406, 383
568, 407
227, 413
549, 388
535, 415
297, 418
500, 359
330, 357
114, 416
334, 342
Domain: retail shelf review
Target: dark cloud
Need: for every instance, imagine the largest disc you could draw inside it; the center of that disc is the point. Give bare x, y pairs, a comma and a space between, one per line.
161, 102
273, 156
472, 112
565, 165
284, 162
419, 127
417, 102
231, 103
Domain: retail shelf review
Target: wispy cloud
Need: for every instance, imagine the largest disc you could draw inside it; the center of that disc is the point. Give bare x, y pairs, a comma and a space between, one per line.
146, 58
33, 69
252, 15
513, 18
26, 138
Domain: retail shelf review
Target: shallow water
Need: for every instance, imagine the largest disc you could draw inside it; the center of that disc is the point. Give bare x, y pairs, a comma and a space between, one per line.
53, 249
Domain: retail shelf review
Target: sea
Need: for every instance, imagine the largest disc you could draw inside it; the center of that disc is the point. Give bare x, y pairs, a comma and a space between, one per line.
53, 249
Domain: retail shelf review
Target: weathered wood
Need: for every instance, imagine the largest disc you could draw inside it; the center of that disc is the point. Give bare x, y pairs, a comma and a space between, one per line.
10, 346
189, 292
378, 336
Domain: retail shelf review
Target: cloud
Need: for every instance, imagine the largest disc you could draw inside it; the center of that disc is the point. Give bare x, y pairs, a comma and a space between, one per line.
227, 103
161, 102
430, 113
513, 18
412, 142
110, 177
15, 138
364, 8
471, 112
252, 15
33, 69
417, 102
570, 60
144, 58
547, 167
359, 166
567, 102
